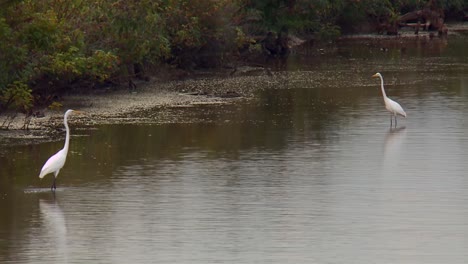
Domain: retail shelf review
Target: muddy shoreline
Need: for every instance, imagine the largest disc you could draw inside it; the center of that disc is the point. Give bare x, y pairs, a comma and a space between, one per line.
121, 106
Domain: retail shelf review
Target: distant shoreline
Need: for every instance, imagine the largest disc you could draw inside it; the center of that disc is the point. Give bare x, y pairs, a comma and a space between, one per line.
108, 106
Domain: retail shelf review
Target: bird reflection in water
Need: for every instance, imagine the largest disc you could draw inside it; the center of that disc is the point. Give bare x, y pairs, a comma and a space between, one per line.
55, 230
393, 143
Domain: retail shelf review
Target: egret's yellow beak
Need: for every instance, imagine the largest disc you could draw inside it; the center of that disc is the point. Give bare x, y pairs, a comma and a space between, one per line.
375, 76
79, 112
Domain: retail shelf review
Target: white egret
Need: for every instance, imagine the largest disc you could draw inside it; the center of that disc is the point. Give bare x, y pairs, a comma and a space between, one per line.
393, 107
56, 162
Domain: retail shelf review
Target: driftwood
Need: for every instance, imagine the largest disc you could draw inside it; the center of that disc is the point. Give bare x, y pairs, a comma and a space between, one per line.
276, 47
431, 17
426, 18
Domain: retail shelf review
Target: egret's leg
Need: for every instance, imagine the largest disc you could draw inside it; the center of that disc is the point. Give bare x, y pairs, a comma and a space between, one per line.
395, 121
391, 120
55, 178
53, 187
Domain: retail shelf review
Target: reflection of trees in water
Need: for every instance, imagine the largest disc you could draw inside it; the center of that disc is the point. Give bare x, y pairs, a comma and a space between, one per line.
463, 86
269, 122
18, 218
222, 130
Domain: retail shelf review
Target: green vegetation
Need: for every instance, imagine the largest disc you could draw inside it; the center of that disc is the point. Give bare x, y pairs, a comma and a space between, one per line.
51, 46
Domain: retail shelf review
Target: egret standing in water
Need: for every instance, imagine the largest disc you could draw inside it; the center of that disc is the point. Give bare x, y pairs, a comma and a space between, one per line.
56, 162
393, 107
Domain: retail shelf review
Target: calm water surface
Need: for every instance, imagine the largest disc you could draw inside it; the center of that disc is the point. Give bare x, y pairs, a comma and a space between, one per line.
310, 172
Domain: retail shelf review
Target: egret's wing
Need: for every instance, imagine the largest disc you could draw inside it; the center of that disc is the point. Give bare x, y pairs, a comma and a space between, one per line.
396, 108
54, 163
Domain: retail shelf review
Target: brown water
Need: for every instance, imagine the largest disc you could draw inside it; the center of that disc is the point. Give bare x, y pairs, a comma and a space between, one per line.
309, 172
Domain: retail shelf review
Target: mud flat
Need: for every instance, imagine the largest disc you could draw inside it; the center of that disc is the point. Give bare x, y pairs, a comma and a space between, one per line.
121, 106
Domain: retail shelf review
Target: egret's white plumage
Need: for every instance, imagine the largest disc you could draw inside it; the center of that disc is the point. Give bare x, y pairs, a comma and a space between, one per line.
393, 107
56, 162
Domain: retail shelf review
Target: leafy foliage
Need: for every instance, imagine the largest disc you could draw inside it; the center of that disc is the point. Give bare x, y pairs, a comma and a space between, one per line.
71, 64
17, 96
49, 46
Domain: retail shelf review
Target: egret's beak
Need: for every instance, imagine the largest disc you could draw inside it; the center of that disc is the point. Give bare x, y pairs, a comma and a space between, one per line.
375, 76
79, 112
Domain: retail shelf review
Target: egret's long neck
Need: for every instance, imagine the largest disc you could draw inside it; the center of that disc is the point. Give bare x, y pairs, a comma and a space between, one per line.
381, 86
67, 137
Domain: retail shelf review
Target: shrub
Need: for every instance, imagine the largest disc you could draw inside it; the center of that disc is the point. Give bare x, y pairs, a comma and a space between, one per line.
16, 96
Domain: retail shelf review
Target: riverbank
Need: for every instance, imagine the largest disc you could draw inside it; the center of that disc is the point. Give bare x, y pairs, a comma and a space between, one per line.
164, 93
120, 106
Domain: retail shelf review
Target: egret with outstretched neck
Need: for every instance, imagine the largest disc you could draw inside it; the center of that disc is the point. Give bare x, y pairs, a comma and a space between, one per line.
393, 107
55, 163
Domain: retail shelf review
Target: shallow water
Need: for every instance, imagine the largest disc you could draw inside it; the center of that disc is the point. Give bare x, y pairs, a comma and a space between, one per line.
310, 172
